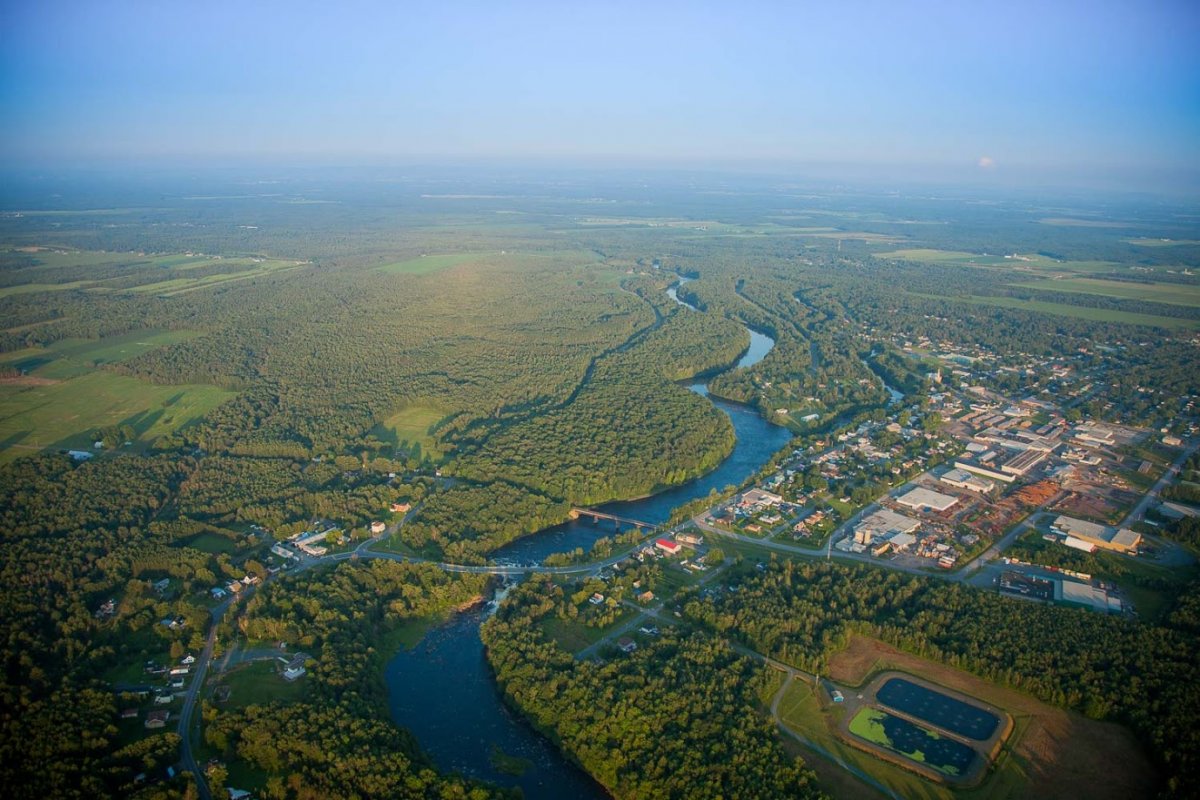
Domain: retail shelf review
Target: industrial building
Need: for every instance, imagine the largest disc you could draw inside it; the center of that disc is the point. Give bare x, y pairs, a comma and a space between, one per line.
986, 470
1023, 462
883, 524
1086, 595
1103, 536
920, 498
961, 479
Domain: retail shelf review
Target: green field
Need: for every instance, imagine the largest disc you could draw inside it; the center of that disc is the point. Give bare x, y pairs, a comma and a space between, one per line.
211, 543
1021, 261
71, 358
1080, 312
575, 636
412, 425
423, 265
165, 275
65, 414
1181, 294
1146, 242
259, 683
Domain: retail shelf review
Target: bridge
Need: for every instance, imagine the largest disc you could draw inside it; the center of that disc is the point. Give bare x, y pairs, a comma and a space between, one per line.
617, 521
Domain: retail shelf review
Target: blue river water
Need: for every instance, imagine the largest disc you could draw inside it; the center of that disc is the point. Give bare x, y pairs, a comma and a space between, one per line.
442, 689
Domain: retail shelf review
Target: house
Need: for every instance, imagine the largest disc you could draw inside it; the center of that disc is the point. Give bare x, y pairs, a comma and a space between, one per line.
646, 596
596, 599
400, 508
217, 593
163, 698
294, 668
378, 527
626, 644
162, 586
668, 546
157, 719
188, 660
79, 455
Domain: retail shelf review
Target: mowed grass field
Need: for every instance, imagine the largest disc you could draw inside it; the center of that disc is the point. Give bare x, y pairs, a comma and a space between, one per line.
71, 358
65, 414
423, 265
64, 395
1051, 753
1180, 294
412, 425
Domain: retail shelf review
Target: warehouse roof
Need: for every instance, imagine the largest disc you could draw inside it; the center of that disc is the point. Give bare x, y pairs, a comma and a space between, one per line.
924, 498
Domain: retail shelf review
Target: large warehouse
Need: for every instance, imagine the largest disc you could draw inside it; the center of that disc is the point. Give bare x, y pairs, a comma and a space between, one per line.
1103, 536
883, 524
962, 479
924, 499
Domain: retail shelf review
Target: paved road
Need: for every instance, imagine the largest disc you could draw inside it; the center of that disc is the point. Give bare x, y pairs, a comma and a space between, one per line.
809, 744
1139, 511
187, 756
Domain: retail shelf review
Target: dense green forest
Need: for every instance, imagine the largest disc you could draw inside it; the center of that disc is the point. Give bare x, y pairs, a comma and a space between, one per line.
677, 718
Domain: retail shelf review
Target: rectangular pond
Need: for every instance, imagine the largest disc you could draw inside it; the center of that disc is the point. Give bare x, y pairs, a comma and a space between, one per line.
943, 711
947, 756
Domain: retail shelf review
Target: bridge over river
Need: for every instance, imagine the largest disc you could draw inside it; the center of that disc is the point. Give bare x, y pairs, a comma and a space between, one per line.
617, 521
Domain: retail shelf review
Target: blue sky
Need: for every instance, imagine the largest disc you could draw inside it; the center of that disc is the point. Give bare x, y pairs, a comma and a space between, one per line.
1083, 86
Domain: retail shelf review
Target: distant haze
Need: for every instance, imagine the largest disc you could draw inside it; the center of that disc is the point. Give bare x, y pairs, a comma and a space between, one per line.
985, 91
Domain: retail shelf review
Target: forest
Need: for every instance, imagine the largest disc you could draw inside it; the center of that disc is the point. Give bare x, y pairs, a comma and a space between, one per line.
677, 718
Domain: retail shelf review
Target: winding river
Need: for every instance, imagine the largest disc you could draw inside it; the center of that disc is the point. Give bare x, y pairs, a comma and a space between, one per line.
442, 689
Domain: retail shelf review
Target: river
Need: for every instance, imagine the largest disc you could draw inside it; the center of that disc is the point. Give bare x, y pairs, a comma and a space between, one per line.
442, 689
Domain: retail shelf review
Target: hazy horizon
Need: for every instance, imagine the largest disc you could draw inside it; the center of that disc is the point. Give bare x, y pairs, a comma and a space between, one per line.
992, 94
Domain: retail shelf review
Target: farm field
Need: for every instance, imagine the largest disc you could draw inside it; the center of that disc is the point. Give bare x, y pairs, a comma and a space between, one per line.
66, 413
1174, 293
1081, 312
1060, 753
